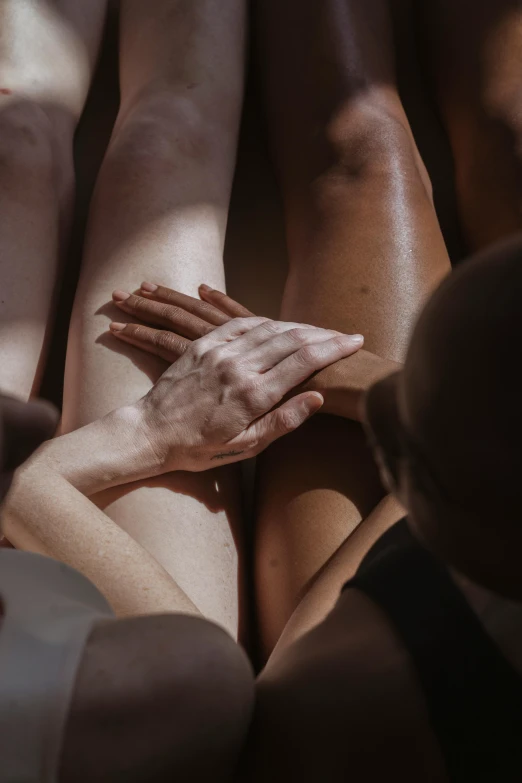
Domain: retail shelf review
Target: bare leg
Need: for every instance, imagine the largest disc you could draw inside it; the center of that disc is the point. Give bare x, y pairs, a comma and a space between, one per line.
365, 251
477, 61
159, 212
47, 55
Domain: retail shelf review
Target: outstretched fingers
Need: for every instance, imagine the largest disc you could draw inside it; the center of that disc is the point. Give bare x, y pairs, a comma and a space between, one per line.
223, 302
166, 345
164, 315
207, 312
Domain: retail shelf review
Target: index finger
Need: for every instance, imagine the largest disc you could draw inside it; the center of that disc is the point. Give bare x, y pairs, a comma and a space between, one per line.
207, 312
295, 369
224, 302
228, 332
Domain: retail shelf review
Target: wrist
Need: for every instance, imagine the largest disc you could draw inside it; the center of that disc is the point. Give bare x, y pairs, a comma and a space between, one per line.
344, 384
152, 444
137, 452
116, 449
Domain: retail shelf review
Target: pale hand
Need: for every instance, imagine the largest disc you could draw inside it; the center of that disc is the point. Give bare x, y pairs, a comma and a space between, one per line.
179, 319
216, 403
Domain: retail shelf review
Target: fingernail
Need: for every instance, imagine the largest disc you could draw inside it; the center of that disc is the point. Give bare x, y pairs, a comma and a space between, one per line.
315, 401
120, 296
116, 327
358, 339
205, 288
149, 287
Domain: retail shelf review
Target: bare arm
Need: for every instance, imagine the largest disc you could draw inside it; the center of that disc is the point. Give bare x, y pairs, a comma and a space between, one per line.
214, 404
48, 511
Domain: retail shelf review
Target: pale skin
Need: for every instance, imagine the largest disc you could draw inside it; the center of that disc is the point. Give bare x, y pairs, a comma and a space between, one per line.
345, 658
365, 251
499, 93
184, 318
163, 195
48, 52
343, 190
191, 525
213, 404
176, 690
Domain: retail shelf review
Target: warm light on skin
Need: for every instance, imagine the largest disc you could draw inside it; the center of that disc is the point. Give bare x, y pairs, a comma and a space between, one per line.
57, 42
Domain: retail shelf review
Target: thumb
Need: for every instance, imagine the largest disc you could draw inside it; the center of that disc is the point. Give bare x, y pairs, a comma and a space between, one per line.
284, 420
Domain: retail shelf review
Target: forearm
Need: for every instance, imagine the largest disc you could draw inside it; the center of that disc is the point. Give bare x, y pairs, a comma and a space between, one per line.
48, 512
345, 383
108, 452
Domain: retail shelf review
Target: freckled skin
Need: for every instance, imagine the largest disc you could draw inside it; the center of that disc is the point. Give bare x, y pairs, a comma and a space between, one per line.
163, 195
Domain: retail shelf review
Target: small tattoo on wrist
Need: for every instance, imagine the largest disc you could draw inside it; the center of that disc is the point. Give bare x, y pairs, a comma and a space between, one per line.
226, 455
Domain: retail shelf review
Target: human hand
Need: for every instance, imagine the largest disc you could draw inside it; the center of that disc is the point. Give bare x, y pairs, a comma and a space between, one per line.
215, 404
184, 318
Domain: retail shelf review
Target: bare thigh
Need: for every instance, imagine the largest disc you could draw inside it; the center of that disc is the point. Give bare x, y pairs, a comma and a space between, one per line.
476, 60
47, 55
159, 212
365, 250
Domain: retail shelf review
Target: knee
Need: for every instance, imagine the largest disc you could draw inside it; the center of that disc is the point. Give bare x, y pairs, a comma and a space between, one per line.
370, 139
31, 150
160, 127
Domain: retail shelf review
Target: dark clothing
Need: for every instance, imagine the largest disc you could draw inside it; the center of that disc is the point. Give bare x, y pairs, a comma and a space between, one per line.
473, 695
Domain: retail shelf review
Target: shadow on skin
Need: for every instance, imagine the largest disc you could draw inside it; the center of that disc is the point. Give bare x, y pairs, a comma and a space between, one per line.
216, 494
211, 494
151, 366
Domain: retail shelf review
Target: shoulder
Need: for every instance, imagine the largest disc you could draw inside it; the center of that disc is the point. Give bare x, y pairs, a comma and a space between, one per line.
347, 695
177, 693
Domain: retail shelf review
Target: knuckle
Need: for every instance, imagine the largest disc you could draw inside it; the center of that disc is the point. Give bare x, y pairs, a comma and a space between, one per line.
167, 311
197, 349
308, 355
137, 303
228, 369
218, 356
298, 335
204, 308
272, 327
138, 332
289, 420
253, 393
168, 294
250, 322
341, 343
224, 364
244, 324
162, 340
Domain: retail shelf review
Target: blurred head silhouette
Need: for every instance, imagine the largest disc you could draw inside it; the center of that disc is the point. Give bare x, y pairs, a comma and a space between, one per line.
448, 428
